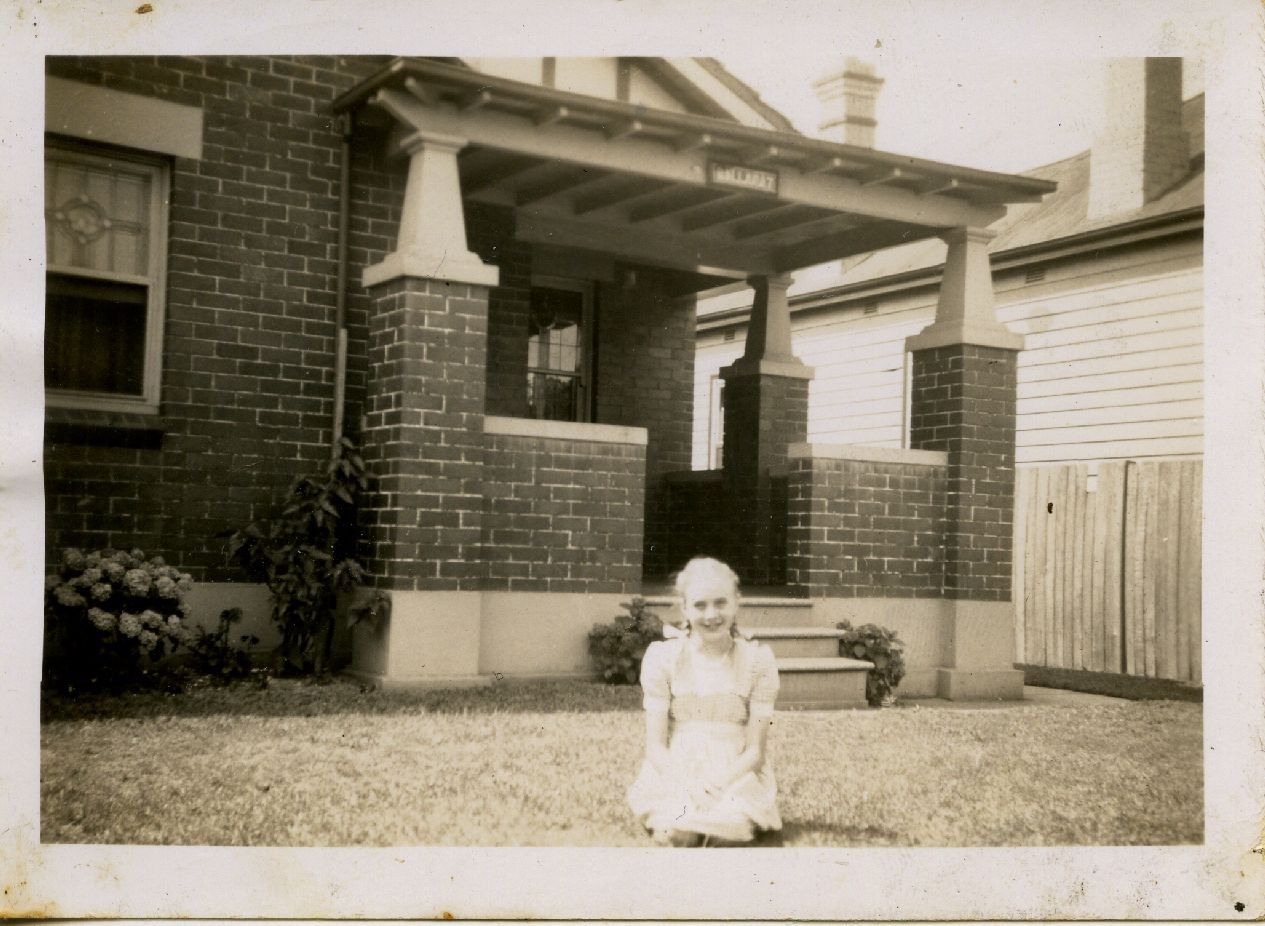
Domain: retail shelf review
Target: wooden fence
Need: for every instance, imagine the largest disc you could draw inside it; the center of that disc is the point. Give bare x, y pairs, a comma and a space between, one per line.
1107, 573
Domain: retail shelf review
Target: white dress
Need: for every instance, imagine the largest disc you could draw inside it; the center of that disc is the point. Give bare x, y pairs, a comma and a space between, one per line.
708, 701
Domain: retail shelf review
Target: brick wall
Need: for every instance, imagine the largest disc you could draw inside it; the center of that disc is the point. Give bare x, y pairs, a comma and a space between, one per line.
562, 515
860, 528
963, 402
645, 378
247, 389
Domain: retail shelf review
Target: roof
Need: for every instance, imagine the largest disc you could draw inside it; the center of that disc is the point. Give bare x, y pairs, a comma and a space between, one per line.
1026, 226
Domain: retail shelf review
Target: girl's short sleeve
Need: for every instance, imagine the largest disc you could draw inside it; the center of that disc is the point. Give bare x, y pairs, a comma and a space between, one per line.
764, 682
656, 669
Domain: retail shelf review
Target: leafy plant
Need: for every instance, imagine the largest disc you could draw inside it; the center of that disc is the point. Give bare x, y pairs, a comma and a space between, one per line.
375, 612
217, 655
883, 648
618, 647
111, 617
306, 558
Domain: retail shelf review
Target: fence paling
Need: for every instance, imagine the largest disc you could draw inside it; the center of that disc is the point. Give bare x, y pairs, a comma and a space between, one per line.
1110, 580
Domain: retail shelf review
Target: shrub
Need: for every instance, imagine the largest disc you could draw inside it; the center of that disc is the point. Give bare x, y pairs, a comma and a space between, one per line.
881, 647
617, 647
306, 557
111, 616
216, 655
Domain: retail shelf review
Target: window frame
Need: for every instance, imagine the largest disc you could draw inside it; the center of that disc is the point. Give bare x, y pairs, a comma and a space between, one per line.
584, 376
159, 171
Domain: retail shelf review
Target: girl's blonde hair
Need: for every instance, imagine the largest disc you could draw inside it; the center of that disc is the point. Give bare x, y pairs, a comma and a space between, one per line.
705, 566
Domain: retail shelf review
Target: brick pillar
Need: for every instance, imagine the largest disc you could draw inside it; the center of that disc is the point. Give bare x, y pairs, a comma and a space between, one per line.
963, 403
766, 410
423, 436
424, 433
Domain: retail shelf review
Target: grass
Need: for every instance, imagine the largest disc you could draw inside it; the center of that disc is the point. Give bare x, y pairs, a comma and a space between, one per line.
547, 764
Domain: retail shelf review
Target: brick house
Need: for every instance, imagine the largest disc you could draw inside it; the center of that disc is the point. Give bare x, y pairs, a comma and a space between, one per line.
486, 271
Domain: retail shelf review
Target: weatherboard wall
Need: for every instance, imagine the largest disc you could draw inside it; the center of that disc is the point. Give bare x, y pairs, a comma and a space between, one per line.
1112, 366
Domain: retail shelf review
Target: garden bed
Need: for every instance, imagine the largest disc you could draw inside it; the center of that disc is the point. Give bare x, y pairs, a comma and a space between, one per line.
297, 764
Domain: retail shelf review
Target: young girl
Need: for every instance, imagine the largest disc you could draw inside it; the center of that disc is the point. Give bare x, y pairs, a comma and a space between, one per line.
709, 697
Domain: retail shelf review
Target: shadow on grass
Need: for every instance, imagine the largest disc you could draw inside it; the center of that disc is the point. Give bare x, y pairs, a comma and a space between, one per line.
303, 698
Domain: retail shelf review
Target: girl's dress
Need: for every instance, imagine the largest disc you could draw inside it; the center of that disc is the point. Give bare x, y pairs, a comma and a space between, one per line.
708, 700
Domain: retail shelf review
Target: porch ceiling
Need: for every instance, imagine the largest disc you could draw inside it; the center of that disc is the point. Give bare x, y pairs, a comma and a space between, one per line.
637, 183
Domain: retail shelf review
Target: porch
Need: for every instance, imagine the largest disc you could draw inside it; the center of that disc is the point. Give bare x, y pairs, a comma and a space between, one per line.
530, 379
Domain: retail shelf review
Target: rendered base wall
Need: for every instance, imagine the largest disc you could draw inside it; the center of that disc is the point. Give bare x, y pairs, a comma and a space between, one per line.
953, 649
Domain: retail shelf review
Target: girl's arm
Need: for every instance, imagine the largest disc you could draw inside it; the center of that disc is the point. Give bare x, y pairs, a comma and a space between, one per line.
657, 740
752, 756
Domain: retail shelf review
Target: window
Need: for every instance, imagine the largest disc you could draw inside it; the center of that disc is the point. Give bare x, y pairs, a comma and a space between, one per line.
559, 351
105, 237
716, 422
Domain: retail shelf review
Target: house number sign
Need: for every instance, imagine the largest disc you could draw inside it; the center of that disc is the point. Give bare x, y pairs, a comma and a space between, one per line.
738, 177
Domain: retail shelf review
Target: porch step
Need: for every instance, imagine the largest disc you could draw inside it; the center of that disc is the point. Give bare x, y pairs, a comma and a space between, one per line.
821, 683
752, 612
797, 642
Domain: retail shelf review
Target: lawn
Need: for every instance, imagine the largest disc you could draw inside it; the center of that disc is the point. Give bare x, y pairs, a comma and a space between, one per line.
547, 764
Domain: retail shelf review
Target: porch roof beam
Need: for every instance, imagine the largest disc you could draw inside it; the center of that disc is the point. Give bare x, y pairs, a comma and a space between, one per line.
725, 211
673, 201
641, 156
790, 216
662, 249
871, 237
622, 191
572, 179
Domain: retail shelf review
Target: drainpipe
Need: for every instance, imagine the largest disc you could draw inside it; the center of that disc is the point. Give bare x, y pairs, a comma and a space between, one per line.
344, 124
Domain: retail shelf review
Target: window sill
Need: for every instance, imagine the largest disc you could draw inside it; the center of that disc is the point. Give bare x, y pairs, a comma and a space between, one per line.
102, 428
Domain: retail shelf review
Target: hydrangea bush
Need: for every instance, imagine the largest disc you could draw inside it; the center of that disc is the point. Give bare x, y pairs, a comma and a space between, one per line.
111, 616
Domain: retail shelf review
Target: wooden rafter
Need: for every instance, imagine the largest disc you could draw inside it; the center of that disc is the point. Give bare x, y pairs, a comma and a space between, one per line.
674, 200
624, 190
728, 210
498, 171
570, 179
789, 216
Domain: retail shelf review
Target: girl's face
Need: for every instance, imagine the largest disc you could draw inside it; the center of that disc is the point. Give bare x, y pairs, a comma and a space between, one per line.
710, 605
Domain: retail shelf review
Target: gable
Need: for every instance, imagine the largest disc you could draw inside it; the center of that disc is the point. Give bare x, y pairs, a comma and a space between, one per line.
690, 86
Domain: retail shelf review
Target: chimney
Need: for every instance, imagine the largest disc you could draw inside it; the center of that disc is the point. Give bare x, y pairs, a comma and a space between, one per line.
847, 103
1140, 150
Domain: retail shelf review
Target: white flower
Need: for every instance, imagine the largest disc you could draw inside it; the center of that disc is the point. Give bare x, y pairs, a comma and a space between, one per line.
93, 575
73, 557
148, 639
137, 581
129, 625
102, 620
114, 570
69, 597
166, 588
93, 559
51, 582
185, 582
151, 619
102, 591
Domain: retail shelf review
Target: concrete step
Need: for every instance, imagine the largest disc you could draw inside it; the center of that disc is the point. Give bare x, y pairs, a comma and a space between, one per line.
821, 683
752, 612
787, 642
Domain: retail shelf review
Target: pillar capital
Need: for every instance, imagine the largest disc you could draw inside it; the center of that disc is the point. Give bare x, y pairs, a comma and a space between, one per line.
432, 241
769, 330
416, 141
965, 312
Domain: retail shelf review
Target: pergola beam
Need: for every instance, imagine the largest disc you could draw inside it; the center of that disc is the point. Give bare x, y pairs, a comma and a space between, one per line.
624, 190
571, 180
790, 216
727, 210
